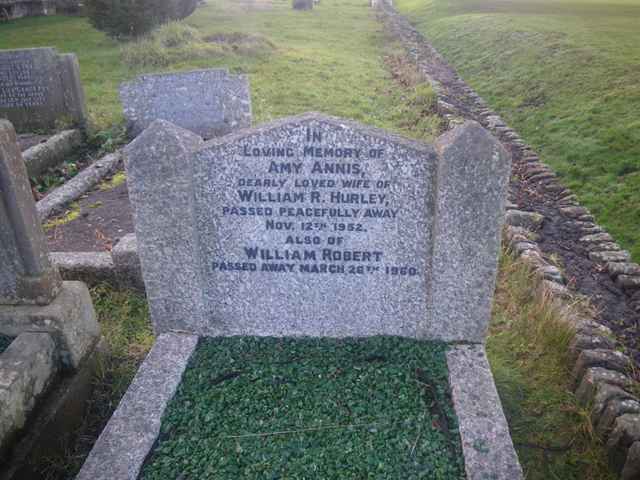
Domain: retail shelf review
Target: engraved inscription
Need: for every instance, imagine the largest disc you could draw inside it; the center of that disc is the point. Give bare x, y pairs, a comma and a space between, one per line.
317, 203
19, 85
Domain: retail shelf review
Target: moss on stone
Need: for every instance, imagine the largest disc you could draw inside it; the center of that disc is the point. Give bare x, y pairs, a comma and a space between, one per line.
311, 408
70, 215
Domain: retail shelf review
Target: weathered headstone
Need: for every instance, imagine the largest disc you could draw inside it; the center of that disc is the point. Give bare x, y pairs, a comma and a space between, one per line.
26, 274
40, 89
10, 9
313, 225
207, 102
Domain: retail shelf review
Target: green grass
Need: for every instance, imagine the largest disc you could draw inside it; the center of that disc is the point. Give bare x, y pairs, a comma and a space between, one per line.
528, 352
327, 60
311, 408
5, 342
565, 74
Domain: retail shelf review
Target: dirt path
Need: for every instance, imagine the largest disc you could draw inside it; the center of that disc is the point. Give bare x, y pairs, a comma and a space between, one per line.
104, 217
559, 235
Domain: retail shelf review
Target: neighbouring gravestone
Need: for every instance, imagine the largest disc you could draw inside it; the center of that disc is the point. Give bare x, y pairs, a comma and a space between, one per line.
314, 225
11, 9
303, 4
40, 89
53, 323
207, 102
32, 295
26, 274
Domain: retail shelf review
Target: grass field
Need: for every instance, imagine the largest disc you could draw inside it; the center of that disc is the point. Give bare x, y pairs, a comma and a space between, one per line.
336, 60
566, 75
318, 61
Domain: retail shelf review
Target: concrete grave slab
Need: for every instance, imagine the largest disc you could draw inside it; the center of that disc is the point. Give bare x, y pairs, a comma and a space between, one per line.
208, 102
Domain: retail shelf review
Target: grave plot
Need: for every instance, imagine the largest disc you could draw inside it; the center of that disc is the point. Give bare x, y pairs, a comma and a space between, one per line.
313, 234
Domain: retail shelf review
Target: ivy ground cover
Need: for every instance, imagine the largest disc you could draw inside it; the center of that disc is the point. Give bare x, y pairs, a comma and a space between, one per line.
311, 408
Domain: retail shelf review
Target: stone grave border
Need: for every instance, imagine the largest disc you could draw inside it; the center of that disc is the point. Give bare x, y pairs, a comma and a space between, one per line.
602, 374
52, 152
48, 154
131, 434
58, 198
27, 369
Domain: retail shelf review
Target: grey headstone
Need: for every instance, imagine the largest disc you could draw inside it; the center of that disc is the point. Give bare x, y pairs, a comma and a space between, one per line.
207, 102
302, 4
159, 180
40, 89
26, 274
472, 179
251, 234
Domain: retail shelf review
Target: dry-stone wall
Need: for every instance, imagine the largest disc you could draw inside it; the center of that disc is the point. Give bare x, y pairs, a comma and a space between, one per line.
602, 373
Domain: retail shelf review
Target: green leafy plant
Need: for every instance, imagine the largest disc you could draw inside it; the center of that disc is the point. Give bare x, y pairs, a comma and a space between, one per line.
311, 408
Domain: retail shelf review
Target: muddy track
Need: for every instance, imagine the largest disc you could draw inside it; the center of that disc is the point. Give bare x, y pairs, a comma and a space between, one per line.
560, 234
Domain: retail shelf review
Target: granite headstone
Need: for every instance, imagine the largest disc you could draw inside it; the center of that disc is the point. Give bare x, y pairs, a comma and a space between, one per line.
207, 102
314, 225
40, 89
